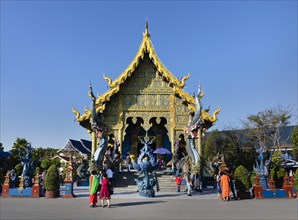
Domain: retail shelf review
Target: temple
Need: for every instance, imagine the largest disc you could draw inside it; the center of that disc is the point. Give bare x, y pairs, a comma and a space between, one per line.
145, 98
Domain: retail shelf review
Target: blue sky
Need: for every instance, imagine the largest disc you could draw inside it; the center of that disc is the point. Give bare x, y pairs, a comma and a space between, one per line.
243, 52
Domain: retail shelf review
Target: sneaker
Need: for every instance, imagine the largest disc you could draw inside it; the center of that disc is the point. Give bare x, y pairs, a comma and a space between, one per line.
178, 190
189, 195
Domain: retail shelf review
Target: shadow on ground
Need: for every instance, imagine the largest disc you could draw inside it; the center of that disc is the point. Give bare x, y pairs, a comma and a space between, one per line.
123, 204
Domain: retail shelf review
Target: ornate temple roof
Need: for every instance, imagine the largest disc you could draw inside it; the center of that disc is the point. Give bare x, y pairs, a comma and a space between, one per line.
146, 47
81, 146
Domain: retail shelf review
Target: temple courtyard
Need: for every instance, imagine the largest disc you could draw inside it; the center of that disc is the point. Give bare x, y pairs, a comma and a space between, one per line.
165, 205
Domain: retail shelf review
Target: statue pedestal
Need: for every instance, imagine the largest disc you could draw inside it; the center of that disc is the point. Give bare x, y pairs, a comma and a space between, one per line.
36, 191
5, 187
149, 193
5, 191
69, 189
20, 192
258, 189
288, 187
271, 184
258, 192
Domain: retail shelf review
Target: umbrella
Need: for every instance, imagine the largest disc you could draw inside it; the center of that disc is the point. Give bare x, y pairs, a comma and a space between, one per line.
162, 150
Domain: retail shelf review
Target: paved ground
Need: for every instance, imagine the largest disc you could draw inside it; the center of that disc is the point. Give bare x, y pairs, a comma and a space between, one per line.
164, 206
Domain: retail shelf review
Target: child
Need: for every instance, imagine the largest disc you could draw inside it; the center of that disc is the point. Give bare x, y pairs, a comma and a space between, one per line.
178, 182
105, 190
93, 188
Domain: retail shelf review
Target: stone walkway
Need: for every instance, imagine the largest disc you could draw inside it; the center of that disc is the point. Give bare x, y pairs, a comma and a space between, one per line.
129, 205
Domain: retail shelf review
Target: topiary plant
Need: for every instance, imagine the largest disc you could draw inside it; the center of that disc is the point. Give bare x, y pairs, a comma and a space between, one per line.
253, 178
241, 177
278, 173
37, 171
52, 179
296, 180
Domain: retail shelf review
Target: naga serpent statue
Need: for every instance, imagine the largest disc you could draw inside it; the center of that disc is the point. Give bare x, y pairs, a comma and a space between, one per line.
261, 169
100, 129
146, 164
190, 164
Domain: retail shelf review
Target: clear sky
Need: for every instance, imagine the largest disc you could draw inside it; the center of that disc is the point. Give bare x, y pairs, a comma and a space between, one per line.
243, 52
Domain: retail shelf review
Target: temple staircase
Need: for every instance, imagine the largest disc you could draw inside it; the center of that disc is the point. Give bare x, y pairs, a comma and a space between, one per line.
125, 181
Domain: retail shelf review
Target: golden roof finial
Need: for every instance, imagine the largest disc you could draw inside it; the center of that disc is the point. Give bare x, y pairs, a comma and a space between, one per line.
146, 34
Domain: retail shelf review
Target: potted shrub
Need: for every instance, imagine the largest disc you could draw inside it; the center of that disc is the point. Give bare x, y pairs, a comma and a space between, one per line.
52, 184
242, 182
296, 182
277, 172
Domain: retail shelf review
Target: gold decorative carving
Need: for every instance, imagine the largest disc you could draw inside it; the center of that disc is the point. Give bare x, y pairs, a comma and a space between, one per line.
210, 118
182, 83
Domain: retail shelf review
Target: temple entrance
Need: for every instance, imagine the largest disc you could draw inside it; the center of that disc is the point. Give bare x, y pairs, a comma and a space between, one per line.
135, 131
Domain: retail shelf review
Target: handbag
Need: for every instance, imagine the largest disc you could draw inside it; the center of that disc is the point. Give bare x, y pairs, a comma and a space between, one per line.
111, 190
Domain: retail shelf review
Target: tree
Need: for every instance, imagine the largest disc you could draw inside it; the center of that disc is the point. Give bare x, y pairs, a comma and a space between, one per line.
231, 149
45, 164
232, 145
265, 127
4, 161
212, 144
1, 147
18, 149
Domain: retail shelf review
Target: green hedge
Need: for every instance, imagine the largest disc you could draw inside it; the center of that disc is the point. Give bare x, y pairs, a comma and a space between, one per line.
296, 179
52, 179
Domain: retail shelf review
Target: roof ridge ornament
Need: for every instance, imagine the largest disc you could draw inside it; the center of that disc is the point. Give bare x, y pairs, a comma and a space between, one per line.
146, 33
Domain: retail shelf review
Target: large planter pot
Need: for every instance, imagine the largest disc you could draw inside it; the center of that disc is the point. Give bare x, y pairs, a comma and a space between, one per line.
52, 194
243, 195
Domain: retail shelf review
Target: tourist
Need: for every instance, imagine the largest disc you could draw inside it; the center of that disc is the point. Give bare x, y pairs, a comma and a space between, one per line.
225, 186
105, 190
218, 187
197, 183
128, 162
188, 184
93, 188
160, 162
232, 186
110, 173
178, 180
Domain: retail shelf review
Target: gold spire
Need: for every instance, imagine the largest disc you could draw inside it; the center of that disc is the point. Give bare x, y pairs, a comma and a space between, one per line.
146, 34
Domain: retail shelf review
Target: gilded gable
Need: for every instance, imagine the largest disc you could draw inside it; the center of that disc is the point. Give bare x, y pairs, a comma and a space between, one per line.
145, 86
